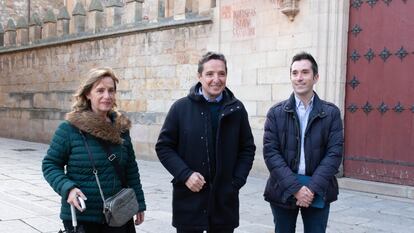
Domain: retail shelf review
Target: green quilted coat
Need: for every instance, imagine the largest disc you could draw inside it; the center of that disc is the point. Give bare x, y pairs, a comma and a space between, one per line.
67, 148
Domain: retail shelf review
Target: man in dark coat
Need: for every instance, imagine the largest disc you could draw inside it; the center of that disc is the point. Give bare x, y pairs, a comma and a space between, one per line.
302, 148
207, 145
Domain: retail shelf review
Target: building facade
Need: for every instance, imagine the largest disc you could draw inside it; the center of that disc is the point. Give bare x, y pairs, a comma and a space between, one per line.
154, 46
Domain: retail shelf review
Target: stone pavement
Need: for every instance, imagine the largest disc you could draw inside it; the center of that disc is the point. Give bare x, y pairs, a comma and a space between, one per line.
29, 205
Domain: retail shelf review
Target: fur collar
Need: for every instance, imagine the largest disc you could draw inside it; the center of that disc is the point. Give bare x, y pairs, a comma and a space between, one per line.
89, 122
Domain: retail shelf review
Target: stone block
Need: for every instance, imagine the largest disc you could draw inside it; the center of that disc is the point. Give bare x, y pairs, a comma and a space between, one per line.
133, 11
77, 25
10, 34
95, 21
162, 60
277, 58
179, 9
49, 25
257, 93
155, 11
272, 75
264, 106
63, 22
281, 91
113, 13
194, 6
161, 72
62, 27
204, 7
145, 133
95, 16
161, 84
35, 28
166, 8
22, 32
251, 107
257, 122
134, 73
249, 77
133, 105
145, 150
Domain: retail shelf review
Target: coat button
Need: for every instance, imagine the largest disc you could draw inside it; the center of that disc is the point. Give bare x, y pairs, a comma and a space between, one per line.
205, 211
231, 110
202, 137
202, 113
238, 107
203, 163
222, 114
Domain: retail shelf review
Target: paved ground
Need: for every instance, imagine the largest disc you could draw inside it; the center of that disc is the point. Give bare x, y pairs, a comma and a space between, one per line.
29, 205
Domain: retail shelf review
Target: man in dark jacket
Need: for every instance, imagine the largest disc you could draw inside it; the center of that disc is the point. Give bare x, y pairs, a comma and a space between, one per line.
207, 145
302, 148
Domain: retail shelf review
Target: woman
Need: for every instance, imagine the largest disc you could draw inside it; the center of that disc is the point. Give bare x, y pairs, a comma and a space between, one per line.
93, 114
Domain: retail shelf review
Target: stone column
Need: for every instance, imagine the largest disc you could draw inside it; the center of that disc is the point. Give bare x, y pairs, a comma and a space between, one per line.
95, 16
331, 49
70, 5
77, 24
35, 28
10, 34
194, 6
63, 21
133, 11
169, 8
179, 9
49, 25
113, 13
1, 35
204, 7
22, 31
154, 11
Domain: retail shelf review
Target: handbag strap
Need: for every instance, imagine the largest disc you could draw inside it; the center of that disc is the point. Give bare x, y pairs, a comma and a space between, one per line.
95, 171
115, 162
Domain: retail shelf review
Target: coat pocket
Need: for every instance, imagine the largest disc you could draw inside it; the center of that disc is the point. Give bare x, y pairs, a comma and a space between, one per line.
272, 191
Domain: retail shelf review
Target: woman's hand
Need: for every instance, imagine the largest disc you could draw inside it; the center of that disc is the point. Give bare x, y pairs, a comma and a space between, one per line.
72, 198
139, 218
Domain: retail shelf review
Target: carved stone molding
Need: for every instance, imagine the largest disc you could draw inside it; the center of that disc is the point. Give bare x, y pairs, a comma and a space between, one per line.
289, 7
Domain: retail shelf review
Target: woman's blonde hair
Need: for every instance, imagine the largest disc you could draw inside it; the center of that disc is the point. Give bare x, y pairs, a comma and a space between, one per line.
81, 102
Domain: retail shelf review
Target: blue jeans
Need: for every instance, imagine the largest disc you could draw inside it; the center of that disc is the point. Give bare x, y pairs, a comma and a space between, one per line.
315, 220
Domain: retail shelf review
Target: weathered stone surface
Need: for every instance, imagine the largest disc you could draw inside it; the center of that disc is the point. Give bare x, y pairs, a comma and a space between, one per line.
16, 8
79, 9
96, 5
159, 65
49, 17
11, 26
133, 12
1, 35
114, 3
63, 14
35, 20
22, 23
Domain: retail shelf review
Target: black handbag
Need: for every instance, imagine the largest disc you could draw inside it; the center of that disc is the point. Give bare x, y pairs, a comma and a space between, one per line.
121, 207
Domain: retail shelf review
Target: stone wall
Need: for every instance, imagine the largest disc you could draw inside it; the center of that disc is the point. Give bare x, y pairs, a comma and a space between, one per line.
156, 58
17, 8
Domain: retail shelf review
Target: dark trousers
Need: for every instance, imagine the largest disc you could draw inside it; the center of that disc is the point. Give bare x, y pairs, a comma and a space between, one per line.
315, 220
91, 227
209, 231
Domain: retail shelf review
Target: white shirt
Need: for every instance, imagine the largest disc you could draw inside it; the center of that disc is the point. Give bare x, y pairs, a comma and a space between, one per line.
303, 114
